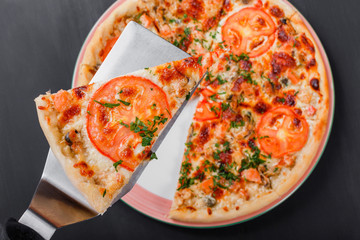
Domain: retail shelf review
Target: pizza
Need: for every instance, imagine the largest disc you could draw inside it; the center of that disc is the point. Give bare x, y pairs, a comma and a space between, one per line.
263, 107
101, 133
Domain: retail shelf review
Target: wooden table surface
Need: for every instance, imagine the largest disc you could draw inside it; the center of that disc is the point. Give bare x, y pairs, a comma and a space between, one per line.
39, 44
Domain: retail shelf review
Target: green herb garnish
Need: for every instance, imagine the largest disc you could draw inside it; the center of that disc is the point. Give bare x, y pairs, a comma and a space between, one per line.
108, 105
117, 164
124, 102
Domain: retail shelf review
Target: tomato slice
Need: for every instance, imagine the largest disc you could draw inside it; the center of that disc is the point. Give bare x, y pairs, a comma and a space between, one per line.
207, 110
108, 127
250, 31
281, 132
109, 45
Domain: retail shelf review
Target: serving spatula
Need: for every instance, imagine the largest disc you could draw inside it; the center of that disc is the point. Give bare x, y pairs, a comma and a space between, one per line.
56, 202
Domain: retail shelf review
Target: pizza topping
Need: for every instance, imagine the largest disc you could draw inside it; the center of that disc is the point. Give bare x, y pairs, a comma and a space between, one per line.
311, 111
84, 169
314, 83
253, 159
69, 113
62, 100
250, 30
117, 164
281, 61
70, 137
282, 35
193, 8
79, 92
116, 129
209, 201
277, 12
261, 107
204, 134
285, 130
108, 46
207, 110
307, 42
252, 175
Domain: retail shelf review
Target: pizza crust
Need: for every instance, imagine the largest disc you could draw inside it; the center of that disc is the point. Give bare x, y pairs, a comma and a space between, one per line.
202, 215
98, 40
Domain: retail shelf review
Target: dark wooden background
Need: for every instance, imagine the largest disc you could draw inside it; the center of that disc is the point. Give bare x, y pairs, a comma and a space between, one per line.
39, 44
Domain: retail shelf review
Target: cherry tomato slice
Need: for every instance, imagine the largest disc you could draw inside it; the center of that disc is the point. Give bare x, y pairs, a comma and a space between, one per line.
281, 131
108, 126
249, 31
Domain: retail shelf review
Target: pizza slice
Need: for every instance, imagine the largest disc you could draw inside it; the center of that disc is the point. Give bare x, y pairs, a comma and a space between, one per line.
241, 147
101, 133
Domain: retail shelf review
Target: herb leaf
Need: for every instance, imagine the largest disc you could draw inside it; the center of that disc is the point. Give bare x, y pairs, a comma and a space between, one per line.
108, 105
124, 102
199, 60
117, 164
153, 156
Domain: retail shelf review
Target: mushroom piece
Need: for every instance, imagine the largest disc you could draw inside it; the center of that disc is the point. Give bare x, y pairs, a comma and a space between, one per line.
209, 201
265, 180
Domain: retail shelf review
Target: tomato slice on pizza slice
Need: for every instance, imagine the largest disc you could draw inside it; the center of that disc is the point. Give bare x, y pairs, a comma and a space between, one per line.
250, 31
123, 113
281, 131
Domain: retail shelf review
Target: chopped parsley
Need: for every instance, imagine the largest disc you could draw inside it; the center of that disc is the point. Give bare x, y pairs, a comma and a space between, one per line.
237, 58
185, 181
226, 148
247, 76
124, 124
199, 60
153, 156
187, 31
215, 110
213, 97
146, 131
124, 102
269, 80
117, 164
221, 81
234, 124
252, 160
108, 105
225, 106
104, 193
244, 57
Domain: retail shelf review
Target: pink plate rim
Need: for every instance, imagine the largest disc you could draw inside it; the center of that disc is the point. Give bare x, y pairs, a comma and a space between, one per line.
157, 207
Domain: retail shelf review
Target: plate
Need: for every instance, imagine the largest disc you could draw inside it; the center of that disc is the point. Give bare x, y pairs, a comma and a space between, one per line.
153, 193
